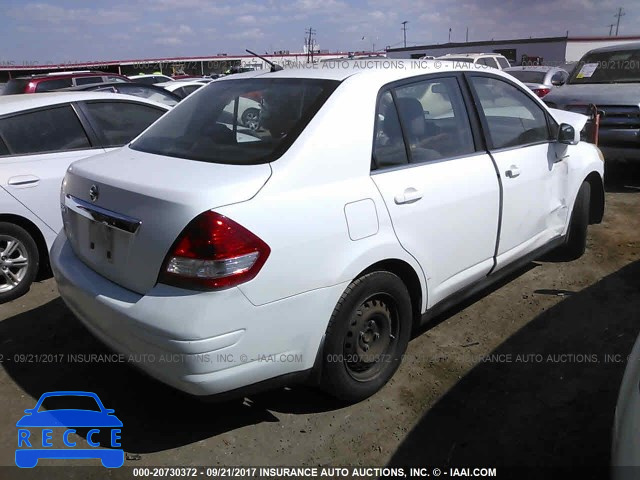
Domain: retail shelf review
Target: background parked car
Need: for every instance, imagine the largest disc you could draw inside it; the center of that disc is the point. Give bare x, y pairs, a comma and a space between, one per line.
610, 79
55, 81
150, 78
540, 79
150, 92
494, 60
182, 88
40, 136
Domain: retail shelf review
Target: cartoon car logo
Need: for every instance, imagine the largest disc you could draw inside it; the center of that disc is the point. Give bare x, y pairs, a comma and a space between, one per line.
56, 425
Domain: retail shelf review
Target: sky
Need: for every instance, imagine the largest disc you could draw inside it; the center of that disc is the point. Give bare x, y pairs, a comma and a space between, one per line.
86, 31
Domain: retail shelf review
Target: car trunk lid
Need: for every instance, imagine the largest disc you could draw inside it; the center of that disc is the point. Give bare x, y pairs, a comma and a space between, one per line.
122, 211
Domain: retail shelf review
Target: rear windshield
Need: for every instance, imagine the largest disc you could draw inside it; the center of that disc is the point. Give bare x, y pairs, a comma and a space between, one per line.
237, 122
459, 59
528, 76
608, 67
16, 85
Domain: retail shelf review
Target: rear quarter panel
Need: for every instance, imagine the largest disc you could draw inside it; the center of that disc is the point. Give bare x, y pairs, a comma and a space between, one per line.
300, 212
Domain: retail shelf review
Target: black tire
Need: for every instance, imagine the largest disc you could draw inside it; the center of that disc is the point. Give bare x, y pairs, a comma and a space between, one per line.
27, 249
375, 313
576, 240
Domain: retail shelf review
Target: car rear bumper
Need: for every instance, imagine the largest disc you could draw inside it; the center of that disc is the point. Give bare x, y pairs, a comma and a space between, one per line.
203, 343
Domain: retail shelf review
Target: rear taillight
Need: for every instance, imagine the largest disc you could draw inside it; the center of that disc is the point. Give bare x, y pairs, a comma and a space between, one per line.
213, 252
541, 92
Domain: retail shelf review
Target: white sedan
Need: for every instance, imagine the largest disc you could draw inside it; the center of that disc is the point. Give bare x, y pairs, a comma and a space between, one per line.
311, 252
40, 136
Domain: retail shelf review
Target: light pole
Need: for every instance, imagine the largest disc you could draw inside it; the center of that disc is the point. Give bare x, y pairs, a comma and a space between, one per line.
404, 31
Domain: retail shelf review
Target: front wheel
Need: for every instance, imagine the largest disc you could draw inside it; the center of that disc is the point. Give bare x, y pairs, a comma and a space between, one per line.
367, 335
19, 261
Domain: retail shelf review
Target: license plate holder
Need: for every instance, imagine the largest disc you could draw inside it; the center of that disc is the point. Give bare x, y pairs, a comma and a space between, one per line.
101, 240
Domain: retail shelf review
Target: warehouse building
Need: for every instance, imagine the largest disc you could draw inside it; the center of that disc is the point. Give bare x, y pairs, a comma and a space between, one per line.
548, 50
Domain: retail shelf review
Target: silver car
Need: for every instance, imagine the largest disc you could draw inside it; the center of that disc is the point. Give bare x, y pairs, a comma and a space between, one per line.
541, 79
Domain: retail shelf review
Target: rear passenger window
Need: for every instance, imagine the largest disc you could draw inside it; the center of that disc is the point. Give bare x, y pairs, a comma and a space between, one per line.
434, 120
3, 149
488, 61
48, 85
52, 130
513, 117
88, 80
389, 148
117, 123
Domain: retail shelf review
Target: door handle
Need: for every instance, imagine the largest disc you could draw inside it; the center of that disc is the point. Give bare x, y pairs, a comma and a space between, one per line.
410, 195
23, 180
513, 172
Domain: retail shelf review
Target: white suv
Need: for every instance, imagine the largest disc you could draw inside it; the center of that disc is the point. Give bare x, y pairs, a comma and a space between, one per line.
493, 60
310, 248
40, 136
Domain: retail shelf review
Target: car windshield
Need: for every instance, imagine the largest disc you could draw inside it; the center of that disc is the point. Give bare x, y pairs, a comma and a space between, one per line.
69, 402
14, 86
608, 67
237, 122
528, 76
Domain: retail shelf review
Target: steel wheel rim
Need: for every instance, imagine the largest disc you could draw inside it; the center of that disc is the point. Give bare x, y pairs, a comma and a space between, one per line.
14, 262
371, 337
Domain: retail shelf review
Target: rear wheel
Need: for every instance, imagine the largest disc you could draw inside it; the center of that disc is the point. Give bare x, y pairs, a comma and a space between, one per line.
19, 261
367, 335
576, 240
251, 118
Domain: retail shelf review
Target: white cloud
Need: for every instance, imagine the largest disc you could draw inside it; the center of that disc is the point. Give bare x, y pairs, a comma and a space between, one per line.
250, 34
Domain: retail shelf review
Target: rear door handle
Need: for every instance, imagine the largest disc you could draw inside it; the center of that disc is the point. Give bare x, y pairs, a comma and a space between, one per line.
410, 195
513, 172
23, 180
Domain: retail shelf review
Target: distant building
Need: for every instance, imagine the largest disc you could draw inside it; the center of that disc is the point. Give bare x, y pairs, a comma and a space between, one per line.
550, 50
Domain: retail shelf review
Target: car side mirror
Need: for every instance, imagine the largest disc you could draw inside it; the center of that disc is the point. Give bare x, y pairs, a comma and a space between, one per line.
109, 411
568, 135
557, 83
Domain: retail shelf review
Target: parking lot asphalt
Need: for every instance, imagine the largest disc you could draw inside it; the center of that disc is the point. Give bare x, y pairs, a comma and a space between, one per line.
526, 373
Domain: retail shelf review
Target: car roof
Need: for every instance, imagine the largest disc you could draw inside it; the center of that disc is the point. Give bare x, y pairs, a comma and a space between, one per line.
471, 55
54, 75
616, 48
28, 101
142, 75
175, 85
532, 68
383, 70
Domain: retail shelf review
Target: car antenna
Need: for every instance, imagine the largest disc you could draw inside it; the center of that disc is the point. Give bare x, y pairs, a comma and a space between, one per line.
274, 67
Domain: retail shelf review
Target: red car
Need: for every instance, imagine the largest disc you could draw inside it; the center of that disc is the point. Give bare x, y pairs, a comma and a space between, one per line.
47, 82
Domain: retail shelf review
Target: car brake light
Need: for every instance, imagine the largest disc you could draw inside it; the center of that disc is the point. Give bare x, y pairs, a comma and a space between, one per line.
213, 252
541, 92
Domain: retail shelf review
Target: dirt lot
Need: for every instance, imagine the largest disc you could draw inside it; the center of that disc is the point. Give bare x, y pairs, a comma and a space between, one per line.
525, 374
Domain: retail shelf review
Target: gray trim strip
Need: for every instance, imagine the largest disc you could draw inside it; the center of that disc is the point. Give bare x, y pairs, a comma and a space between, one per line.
114, 220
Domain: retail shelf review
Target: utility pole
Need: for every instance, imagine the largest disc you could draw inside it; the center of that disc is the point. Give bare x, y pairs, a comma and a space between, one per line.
404, 31
611, 28
449, 34
467, 38
310, 43
619, 15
